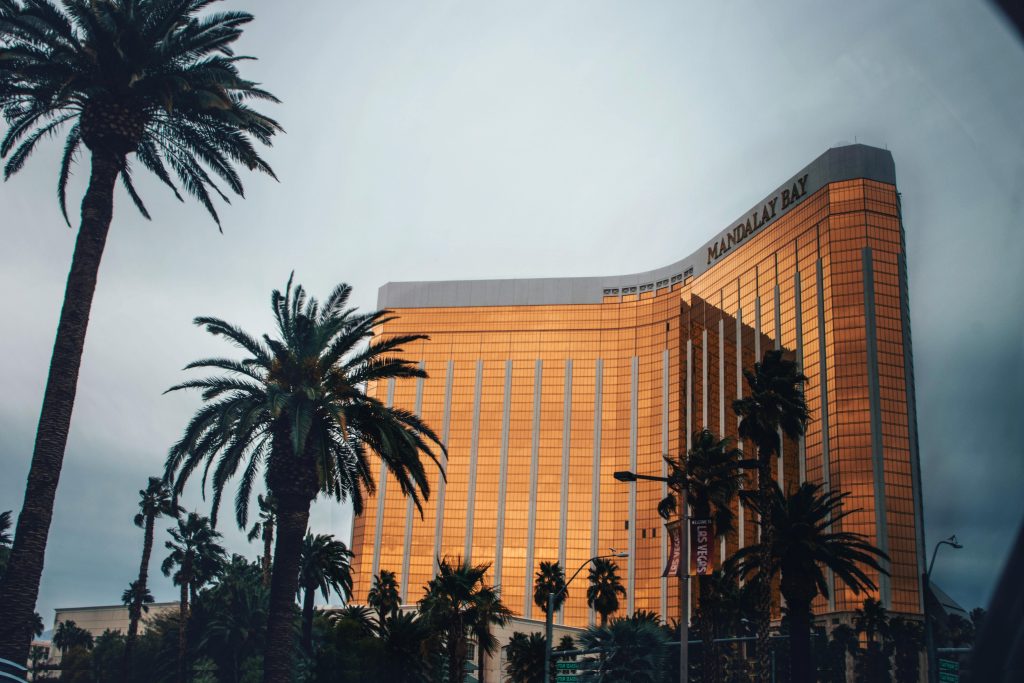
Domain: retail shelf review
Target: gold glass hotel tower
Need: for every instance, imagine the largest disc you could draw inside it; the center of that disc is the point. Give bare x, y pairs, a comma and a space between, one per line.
543, 388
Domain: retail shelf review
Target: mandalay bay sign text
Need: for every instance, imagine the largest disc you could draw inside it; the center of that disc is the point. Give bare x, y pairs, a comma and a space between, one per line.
758, 218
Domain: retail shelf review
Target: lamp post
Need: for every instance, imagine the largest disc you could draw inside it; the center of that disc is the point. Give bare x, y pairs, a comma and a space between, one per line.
549, 614
684, 563
928, 634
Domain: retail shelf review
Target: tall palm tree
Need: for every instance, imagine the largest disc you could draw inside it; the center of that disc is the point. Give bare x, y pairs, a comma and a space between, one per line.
297, 408
488, 611
135, 594
194, 559
449, 604
155, 501
605, 588
549, 580
802, 547
263, 529
774, 405
711, 478
325, 564
156, 79
383, 596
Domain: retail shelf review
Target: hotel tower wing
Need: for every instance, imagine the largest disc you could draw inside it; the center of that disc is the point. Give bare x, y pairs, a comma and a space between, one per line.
542, 388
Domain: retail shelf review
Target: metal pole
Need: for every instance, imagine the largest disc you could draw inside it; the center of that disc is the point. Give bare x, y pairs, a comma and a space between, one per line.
929, 637
684, 594
548, 635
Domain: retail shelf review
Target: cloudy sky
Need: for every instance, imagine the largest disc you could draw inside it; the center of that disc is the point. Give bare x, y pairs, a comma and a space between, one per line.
463, 139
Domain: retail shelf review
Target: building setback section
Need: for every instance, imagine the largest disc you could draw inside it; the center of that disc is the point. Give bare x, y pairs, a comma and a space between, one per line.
541, 389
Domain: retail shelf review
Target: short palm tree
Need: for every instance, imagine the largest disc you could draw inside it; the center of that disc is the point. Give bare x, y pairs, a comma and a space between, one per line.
842, 642
155, 501
605, 588
263, 528
325, 564
194, 559
774, 405
404, 638
906, 640
872, 663
70, 635
383, 596
549, 580
710, 477
149, 81
802, 547
450, 606
635, 649
297, 409
524, 658
489, 611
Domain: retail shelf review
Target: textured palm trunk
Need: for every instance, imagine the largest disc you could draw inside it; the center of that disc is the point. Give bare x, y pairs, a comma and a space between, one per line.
764, 602
19, 587
183, 633
707, 633
308, 597
135, 611
480, 663
799, 615
268, 544
292, 518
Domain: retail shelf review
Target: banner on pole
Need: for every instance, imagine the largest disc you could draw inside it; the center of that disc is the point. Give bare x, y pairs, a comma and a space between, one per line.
674, 554
700, 547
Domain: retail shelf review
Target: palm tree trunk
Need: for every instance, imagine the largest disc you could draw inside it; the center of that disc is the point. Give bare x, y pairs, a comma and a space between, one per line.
801, 669
480, 662
292, 518
307, 619
764, 602
182, 633
19, 587
707, 633
135, 611
268, 543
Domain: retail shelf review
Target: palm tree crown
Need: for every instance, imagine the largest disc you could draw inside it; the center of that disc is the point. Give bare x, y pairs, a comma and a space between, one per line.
775, 401
263, 528
297, 405
711, 477
195, 555
156, 500
148, 77
550, 580
383, 596
324, 565
605, 588
5, 528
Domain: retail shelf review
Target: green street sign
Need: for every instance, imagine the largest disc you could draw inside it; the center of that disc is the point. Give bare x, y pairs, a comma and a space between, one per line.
950, 665
947, 677
572, 666
566, 678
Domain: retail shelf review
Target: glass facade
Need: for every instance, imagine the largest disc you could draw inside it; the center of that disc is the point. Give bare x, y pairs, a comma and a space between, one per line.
540, 400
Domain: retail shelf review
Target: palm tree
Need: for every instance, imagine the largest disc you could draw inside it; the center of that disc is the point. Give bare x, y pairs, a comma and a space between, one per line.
383, 596
774, 406
296, 407
194, 559
70, 635
324, 565
802, 548
5, 540
450, 606
357, 615
404, 637
155, 501
842, 642
872, 620
264, 529
635, 649
711, 477
906, 640
605, 588
488, 611
153, 78
524, 658
549, 580
135, 594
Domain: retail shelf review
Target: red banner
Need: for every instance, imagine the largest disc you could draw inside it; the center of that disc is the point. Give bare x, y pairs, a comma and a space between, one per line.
674, 559
700, 547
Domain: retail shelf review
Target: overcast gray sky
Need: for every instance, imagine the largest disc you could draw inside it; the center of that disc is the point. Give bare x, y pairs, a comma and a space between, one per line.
462, 139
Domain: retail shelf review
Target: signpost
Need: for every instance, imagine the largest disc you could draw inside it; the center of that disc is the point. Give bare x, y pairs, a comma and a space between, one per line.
949, 671
566, 672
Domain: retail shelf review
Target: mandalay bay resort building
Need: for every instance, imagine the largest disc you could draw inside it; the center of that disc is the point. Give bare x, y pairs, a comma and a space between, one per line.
542, 389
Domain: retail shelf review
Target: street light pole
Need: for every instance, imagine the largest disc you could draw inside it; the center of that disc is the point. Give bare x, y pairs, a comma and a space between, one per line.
549, 613
684, 568
928, 633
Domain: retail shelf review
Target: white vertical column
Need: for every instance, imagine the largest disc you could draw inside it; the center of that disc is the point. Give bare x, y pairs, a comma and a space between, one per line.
633, 409
382, 488
403, 590
442, 482
499, 543
474, 443
531, 533
564, 494
595, 492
